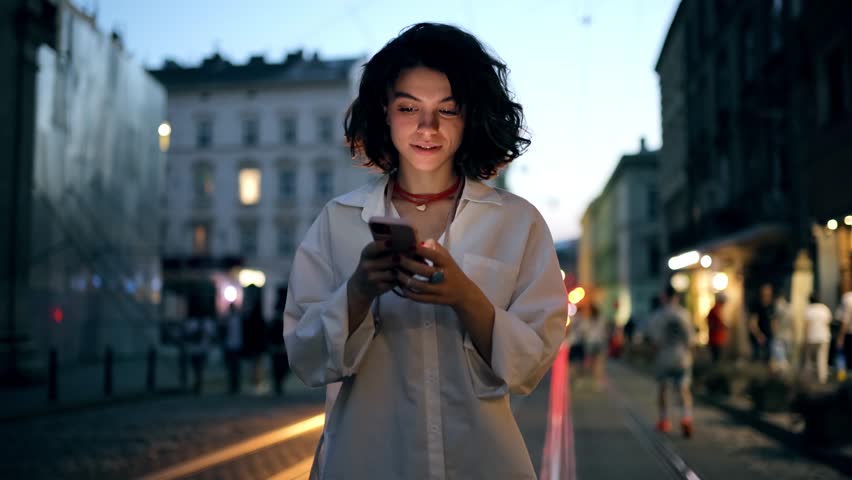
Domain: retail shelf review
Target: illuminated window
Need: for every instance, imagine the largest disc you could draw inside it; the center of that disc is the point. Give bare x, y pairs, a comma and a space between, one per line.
249, 179
203, 180
200, 239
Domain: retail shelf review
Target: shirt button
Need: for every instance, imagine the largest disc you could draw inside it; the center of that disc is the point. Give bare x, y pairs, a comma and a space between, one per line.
427, 323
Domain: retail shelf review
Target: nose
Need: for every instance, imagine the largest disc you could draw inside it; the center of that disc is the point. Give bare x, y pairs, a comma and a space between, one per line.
428, 121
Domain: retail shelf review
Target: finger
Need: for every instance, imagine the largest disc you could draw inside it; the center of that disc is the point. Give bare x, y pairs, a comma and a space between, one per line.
416, 267
434, 255
386, 262
411, 283
382, 276
421, 297
376, 249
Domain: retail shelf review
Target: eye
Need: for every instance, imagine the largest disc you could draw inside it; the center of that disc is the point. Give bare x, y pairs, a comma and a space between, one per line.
405, 109
449, 112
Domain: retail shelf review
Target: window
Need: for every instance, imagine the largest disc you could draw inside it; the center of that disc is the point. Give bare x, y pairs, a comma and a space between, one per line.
204, 133
200, 239
325, 129
248, 238
203, 181
289, 130
652, 206
653, 260
250, 131
249, 179
324, 184
285, 240
287, 185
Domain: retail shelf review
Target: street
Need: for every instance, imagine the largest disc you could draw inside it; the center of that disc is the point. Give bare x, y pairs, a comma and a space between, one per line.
216, 435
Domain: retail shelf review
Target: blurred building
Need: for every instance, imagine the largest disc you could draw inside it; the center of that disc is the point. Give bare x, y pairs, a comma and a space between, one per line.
94, 170
254, 152
619, 258
24, 27
756, 141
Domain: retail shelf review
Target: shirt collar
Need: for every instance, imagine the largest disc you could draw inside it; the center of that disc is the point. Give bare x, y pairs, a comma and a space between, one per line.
371, 197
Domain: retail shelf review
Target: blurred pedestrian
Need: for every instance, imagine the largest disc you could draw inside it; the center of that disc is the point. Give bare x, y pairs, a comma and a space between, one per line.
817, 337
437, 345
843, 342
718, 330
761, 324
254, 342
199, 334
781, 344
673, 335
275, 345
232, 344
595, 345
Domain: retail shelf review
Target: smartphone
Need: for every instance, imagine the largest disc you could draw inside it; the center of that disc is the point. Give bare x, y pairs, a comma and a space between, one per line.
402, 234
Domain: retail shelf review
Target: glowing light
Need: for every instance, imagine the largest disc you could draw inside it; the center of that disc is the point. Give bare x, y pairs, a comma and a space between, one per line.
567, 321
848, 220
563, 274
720, 281
680, 282
706, 261
57, 314
251, 277
577, 295
230, 294
684, 260
832, 224
572, 309
164, 129
249, 179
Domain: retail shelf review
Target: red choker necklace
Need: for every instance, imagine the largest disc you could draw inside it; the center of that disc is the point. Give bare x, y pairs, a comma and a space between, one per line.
423, 199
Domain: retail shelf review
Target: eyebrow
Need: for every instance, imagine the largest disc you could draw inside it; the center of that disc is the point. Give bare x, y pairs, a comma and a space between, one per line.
412, 97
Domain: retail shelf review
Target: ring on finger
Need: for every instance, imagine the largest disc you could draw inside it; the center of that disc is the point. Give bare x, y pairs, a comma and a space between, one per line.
437, 276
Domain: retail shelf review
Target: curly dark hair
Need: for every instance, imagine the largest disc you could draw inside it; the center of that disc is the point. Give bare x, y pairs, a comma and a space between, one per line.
494, 131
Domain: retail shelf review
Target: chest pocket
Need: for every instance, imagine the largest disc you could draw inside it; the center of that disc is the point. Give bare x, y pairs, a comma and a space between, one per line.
495, 278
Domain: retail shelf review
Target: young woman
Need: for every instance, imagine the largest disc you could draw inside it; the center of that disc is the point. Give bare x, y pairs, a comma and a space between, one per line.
427, 353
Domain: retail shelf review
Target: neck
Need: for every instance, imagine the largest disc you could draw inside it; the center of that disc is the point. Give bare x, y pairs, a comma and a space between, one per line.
425, 182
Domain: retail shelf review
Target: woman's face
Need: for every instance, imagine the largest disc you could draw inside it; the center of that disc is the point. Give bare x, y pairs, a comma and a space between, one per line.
425, 123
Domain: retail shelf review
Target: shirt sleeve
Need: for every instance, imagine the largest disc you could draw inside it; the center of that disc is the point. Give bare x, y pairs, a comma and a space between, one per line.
526, 335
316, 315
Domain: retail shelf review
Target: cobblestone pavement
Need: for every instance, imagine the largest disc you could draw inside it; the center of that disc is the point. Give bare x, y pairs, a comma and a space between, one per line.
131, 439
614, 436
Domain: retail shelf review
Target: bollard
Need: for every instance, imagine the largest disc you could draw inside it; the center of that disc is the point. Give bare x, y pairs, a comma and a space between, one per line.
52, 372
152, 369
108, 372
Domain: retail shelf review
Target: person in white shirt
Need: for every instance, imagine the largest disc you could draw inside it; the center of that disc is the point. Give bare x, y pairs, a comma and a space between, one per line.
817, 337
426, 355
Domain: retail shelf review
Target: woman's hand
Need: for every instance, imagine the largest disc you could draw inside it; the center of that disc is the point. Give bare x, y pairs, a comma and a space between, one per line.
455, 289
375, 275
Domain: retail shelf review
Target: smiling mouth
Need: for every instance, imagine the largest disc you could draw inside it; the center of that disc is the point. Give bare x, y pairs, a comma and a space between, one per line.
426, 148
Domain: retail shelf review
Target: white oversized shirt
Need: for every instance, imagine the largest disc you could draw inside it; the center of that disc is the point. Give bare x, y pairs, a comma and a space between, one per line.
416, 398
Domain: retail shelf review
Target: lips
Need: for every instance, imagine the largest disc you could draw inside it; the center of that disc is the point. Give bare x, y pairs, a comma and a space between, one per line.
426, 147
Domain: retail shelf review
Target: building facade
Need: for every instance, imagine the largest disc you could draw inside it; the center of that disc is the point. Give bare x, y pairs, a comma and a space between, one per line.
255, 151
756, 141
619, 252
93, 262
